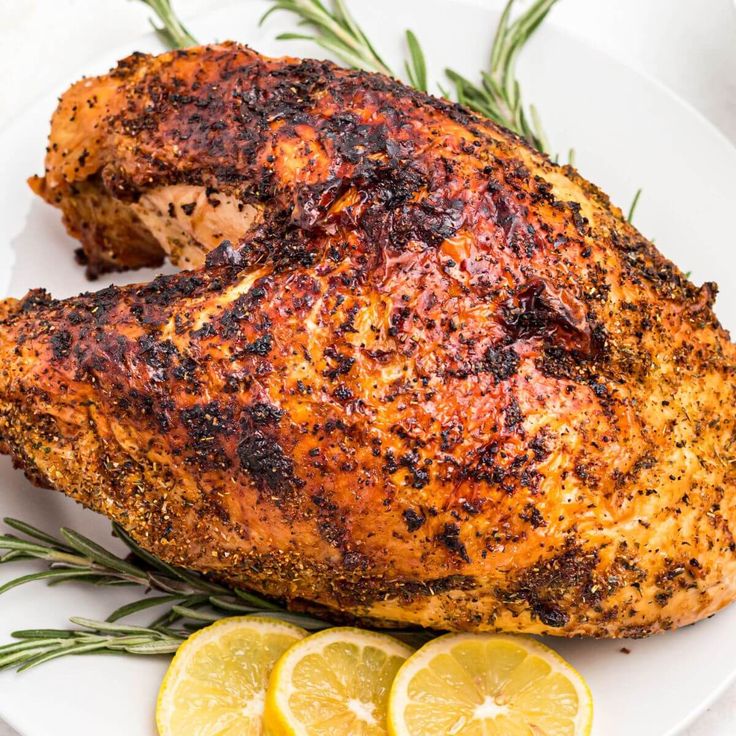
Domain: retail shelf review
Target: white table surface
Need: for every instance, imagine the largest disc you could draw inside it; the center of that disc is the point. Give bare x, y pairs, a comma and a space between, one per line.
690, 45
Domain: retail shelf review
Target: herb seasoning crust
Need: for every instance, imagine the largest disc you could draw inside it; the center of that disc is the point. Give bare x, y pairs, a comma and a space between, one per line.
429, 378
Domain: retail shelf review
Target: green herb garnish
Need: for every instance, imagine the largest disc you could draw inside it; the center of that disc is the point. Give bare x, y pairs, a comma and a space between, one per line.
632, 206
36, 646
333, 28
186, 601
497, 96
172, 33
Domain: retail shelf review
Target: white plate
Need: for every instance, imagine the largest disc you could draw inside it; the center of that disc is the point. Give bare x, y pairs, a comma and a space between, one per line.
627, 132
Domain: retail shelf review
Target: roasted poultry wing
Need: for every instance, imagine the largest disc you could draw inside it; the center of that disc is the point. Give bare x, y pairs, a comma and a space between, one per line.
432, 378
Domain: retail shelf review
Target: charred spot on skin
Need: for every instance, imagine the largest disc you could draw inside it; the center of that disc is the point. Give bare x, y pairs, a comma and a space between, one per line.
260, 346
586, 472
339, 364
532, 515
451, 436
263, 458
157, 354
418, 469
556, 583
599, 389
264, 413
186, 371
331, 521
163, 290
539, 446
472, 507
342, 393
35, 300
501, 362
353, 560
390, 464
551, 616
536, 311
413, 520
61, 342
513, 416
581, 223
242, 310
207, 330
205, 425
450, 537
663, 598
333, 531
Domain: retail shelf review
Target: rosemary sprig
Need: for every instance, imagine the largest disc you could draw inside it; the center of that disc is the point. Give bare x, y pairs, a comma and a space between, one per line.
188, 600
498, 96
334, 30
172, 32
36, 646
181, 595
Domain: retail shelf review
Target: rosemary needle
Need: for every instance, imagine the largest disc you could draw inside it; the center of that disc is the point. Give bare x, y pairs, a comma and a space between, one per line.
173, 33
416, 65
632, 206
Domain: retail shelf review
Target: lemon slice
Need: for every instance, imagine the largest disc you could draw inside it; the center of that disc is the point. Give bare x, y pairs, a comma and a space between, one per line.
216, 683
335, 683
488, 685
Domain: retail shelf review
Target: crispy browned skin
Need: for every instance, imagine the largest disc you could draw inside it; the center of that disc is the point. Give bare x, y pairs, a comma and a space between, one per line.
443, 382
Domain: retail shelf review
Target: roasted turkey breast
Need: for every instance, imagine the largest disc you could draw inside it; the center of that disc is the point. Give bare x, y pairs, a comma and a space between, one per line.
432, 378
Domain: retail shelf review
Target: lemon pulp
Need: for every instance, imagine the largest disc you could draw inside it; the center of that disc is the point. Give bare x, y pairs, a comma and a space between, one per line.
334, 683
216, 683
488, 685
